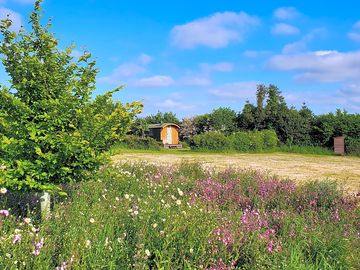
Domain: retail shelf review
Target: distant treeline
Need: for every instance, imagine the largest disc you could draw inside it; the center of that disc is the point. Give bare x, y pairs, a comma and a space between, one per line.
292, 126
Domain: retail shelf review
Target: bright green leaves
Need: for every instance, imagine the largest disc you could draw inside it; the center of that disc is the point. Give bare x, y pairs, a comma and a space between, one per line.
51, 130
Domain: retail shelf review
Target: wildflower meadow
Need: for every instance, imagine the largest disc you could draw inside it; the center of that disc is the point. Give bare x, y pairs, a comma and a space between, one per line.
145, 216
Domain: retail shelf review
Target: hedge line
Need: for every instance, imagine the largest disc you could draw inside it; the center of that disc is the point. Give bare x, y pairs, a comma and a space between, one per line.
239, 141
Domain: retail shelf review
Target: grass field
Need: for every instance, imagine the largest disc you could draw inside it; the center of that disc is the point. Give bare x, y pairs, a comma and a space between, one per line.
344, 170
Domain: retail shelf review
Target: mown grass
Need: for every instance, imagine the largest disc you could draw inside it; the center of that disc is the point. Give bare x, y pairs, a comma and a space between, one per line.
142, 216
306, 150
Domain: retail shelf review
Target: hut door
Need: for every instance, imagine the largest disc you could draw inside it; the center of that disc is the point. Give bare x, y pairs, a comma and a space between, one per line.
169, 135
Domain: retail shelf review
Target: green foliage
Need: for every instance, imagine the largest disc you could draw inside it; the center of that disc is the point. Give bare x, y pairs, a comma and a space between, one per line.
210, 141
238, 141
254, 140
136, 142
223, 119
331, 125
143, 216
160, 118
51, 132
352, 146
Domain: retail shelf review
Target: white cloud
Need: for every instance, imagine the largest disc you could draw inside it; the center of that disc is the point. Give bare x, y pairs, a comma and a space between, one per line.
236, 90
286, 13
144, 59
284, 29
121, 72
14, 16
355, 35
219, 67
196, 81
347, 96
127, 70
255, 54
24, 1
301, 45
320, 66
155, 81
215, 31
170, 104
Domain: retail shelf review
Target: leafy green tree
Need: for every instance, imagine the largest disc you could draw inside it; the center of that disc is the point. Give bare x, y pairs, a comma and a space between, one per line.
160, 118
246, 119
223, 119
202, 123
260, 110
51, 131
139, 127
188, 129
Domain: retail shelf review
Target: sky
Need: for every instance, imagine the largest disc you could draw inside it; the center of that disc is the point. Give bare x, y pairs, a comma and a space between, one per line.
190, 57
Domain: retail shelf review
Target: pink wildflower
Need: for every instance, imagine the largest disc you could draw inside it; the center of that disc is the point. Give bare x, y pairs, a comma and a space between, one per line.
17, 238
4, 213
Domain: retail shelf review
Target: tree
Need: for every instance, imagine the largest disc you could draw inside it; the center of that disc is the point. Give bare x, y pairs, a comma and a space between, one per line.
223, 119
51, 131
260, 110
188, 129
160, 118
246, 119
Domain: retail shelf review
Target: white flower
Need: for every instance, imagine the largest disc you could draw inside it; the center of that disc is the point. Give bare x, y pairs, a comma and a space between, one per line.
147, 252
127, 196
191, 250
154, 225
87, 243
3, 167
92, 220
136, 212
3, 190
27, 220
181, 193
117, 198
178, 202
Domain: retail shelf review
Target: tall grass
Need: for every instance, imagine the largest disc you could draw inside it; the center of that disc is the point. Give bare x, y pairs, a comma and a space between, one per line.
142, 216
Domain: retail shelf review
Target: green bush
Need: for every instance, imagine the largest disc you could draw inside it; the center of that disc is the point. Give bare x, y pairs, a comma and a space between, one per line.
136, 142
270, 138
51, 131
241, 141
352, 146
254, 140
211, 141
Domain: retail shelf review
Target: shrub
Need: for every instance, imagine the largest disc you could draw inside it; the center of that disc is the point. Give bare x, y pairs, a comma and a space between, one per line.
270, 138
241, 141
211, 141
254, 140
352, 146
136, 142
51, 132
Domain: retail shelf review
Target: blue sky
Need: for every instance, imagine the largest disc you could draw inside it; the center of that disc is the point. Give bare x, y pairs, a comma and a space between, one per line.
190, 57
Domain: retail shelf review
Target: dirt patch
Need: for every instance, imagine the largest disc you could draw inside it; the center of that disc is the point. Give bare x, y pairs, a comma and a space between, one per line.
345, 170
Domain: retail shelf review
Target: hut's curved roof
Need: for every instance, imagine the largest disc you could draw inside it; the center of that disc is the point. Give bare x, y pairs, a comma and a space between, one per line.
163, 125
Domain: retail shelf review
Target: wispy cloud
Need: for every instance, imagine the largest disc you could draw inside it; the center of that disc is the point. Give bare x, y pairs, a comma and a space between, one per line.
286, 13
215, 31
127, 70
154, 81
320, 66
284, 29
302, 44
347, 96
217, 67
171, 104
195, 81
255, 54
235, 91
355, 33
13, 16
